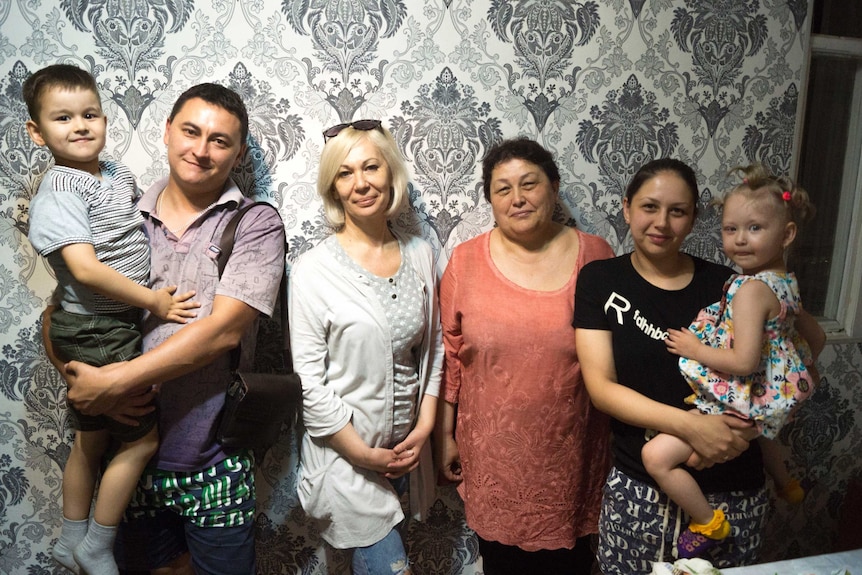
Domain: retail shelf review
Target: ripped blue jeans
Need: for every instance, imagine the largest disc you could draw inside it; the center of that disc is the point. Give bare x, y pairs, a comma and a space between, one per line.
387, 556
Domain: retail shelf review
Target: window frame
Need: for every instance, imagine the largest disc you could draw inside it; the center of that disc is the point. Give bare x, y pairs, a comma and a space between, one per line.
846, 295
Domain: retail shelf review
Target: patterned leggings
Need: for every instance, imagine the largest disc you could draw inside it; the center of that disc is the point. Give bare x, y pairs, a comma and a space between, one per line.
639, 525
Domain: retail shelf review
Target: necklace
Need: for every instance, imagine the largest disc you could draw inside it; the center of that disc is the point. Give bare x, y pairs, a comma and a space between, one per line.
179, 231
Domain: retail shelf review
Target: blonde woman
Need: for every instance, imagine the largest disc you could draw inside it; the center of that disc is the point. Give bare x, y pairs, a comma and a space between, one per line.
366, 341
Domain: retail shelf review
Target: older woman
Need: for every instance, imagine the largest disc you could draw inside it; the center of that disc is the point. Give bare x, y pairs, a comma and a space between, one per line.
529, 447
623, 311
365, 335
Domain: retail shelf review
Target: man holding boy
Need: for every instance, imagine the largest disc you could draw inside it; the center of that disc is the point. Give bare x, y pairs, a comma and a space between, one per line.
195, 499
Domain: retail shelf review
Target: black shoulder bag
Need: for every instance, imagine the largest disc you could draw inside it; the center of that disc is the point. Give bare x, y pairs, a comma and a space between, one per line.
257, 404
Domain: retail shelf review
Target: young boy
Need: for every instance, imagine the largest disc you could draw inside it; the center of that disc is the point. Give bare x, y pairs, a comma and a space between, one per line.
85, 221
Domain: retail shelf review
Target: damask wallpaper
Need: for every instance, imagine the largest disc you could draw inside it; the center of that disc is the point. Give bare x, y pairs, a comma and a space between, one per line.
607, 85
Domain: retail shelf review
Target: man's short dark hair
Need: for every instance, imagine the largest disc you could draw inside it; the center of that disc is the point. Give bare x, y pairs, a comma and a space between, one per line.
217, 95
63, 76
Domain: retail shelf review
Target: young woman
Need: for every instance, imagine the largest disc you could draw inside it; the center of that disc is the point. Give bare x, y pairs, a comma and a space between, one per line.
623, 310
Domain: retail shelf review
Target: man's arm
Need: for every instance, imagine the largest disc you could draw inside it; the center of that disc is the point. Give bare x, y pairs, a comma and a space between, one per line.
98, 390
86, 268
259, 249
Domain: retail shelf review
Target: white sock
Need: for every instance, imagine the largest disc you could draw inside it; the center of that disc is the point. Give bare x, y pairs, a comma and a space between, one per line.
71, 535
95, 554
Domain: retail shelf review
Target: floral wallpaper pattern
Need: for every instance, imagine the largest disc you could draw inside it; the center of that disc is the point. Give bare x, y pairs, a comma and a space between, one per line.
606, 85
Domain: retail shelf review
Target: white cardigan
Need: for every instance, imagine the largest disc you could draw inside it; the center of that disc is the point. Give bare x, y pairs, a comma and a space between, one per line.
342, 351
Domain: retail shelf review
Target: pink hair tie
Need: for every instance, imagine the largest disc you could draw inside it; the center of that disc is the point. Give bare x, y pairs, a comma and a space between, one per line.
785, 196
745, 181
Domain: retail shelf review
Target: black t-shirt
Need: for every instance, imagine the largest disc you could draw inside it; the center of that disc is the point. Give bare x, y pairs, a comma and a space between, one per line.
612, 296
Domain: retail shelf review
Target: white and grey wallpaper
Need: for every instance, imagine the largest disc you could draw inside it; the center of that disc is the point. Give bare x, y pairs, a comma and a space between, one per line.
606, 85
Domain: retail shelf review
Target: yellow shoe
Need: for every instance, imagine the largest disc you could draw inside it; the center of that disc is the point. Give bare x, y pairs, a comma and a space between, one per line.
700, 538
718, 528
792, 492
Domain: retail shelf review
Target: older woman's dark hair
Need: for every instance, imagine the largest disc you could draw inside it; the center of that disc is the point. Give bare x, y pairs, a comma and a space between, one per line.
651, 169
520, 149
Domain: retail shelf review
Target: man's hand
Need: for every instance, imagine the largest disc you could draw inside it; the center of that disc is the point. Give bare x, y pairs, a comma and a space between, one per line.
94, 390
130, 408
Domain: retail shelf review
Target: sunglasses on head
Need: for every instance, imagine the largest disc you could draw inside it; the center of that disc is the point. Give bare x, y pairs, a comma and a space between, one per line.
364, 125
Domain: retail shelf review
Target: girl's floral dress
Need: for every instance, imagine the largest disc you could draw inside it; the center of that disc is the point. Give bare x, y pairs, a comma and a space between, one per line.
768, 395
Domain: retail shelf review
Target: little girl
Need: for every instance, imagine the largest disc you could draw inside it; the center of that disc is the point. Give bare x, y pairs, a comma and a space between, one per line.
743, 355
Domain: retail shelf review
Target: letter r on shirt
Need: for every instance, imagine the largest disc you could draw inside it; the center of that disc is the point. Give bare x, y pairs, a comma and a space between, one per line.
620, 304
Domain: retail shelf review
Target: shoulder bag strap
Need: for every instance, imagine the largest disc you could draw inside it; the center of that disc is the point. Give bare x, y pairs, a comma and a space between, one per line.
226, 247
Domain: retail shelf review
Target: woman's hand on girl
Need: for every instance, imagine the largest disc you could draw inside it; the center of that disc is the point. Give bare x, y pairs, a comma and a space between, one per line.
716, 438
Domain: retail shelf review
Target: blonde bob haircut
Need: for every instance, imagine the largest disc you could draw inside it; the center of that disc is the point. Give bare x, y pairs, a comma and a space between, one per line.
332, 158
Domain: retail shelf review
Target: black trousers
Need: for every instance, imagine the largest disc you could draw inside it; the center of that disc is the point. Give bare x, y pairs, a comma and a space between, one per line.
499, 559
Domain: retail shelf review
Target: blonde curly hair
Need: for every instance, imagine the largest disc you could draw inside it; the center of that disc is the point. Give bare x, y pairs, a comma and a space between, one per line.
759, 183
